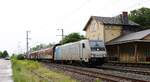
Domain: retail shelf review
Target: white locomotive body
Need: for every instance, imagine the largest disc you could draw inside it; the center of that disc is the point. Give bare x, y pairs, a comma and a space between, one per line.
90, 51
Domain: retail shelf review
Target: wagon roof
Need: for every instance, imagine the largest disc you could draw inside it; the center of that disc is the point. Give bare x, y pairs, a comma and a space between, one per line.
47, 50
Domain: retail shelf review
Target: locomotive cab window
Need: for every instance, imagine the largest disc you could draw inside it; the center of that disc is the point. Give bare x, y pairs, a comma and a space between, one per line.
83, 45
97, 46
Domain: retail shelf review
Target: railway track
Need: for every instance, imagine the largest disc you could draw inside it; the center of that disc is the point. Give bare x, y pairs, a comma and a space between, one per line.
136, 70
138, 65
105, 75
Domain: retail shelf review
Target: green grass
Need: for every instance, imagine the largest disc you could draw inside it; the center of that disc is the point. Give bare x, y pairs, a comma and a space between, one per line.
22, 72
98, 80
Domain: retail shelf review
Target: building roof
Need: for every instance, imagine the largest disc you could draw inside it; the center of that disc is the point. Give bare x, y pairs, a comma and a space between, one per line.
114, 20
111, 21
136, 36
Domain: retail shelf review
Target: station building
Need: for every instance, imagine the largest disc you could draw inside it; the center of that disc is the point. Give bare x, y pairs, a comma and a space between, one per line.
125, 40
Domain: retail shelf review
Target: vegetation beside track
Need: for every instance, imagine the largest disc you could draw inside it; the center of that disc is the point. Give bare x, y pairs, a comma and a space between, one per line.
32, 71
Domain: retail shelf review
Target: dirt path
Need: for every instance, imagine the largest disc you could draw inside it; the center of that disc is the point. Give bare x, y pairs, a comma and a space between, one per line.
5, 71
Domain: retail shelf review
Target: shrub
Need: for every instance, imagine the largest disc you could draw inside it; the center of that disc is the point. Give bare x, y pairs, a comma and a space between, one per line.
20, 57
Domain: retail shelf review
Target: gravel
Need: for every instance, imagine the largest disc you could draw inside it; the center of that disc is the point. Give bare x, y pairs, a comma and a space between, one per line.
78, 77
84, 78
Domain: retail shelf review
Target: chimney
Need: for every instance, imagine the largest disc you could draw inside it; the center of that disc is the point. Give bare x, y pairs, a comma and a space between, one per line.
125, 17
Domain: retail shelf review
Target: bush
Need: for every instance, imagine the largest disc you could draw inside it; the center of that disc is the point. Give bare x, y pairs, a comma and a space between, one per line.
20, 57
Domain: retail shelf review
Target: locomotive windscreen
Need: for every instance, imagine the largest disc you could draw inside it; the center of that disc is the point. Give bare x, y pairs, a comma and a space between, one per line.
97, 45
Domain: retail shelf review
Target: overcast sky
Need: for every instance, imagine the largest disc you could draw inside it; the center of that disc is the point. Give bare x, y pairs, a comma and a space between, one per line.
44, 17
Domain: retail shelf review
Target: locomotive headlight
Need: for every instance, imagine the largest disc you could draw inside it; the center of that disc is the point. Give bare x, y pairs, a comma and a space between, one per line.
92, 55
103, 55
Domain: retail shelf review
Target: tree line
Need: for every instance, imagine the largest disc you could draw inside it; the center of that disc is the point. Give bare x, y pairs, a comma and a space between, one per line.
72, 37
4, 54
41, 46
141, 16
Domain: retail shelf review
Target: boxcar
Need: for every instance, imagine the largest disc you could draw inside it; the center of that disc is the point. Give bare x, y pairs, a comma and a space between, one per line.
44, 54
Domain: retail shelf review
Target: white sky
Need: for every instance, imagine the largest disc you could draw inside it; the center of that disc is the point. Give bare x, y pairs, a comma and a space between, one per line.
44, 17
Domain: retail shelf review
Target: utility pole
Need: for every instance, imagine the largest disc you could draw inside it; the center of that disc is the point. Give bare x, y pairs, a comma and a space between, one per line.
62, 34
27, 39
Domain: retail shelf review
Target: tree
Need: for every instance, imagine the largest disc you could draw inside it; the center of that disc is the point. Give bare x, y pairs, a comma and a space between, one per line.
38, 47
13, 56
141, 16
5, 54
20, 57
73, 37
50, 45
41, 46
1, 54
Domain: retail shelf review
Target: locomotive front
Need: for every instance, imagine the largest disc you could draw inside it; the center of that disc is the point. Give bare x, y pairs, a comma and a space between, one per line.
98, 52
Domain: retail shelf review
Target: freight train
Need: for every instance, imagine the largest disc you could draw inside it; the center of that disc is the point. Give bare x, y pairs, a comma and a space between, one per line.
91, 52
